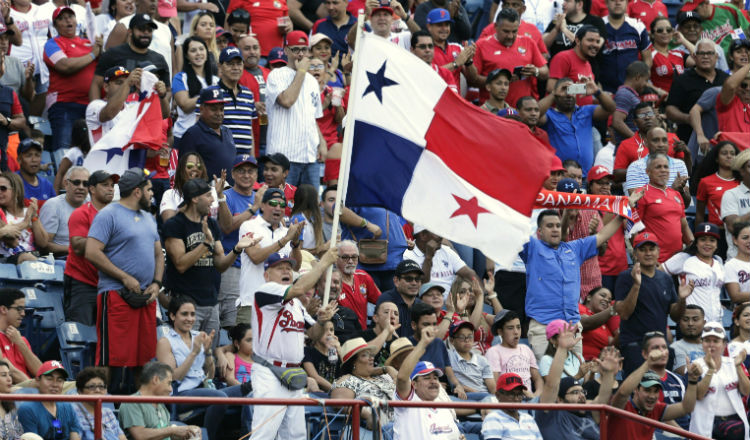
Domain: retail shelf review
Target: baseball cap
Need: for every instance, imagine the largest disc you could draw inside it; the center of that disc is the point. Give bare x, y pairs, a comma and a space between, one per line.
713, 328
497, 72
242, 159
706, 228
296, 38
59, 10
597, 173
317, 38
221, 32
277, 158
568, 185
555, 327
406, 266
273, 193
50, 366
690, 5
499, 317
211, 95
140, 20
651, 379
738, 44
277, 56
439, 15
509, 382
100, 176
427, 286
115, 72
193, 188
556, 165
458, 325
27, 144
167, 8
566, 383
131, 179
229, 53
424, 368
275, 259
383, 5
684, 16
644, 237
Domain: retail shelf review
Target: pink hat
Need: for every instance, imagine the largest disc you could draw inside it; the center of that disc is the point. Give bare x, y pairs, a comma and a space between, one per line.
555, 327
167, 8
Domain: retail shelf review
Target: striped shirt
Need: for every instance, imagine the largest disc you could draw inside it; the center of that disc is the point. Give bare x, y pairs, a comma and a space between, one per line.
499, 425
239, 112
636, 176
293, 131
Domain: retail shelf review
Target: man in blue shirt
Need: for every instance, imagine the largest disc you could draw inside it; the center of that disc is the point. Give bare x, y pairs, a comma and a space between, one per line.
553, 274
569, 126
336, 26
50, 420
208, 136
626, 38
29, 161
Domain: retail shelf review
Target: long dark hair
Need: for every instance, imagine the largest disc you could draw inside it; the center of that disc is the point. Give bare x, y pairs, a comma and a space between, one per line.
710, 164
8, 405
174, 306
180, 176
237, 334
306, 202
80, 136
193, 83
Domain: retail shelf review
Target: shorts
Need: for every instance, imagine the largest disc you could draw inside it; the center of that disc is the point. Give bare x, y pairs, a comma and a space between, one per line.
126, 336
332, 170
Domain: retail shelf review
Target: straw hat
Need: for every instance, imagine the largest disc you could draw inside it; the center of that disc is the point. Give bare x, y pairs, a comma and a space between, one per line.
351, 347
399, 346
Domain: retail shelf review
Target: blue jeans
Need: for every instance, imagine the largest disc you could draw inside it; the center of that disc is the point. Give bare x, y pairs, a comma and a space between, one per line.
300, 173
214, 416
61, 117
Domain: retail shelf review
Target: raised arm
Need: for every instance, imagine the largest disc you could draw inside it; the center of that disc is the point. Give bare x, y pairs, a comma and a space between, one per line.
403, 379
565, 342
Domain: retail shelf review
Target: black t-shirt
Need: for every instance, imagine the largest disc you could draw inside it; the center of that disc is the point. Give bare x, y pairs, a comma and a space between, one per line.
310, 9
566, 425
685, 92
201, 280
323, 366
562, 42
346, 324
385, 351
123, 55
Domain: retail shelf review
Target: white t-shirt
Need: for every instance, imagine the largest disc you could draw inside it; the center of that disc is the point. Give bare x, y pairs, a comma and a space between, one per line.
423, 423
251, 274
708, 280
735, 201
606, 157
75, 156
737, 271
172, 199
445, 264
34, 26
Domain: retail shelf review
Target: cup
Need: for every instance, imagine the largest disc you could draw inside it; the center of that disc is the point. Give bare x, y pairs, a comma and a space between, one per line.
164, 157
263, 118
282, 21
336, 98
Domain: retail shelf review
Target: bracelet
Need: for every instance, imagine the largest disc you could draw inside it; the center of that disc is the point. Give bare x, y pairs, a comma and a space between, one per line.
34, 219
692, 382
364, 223
157, 282
222, 199
455, 65
238, 252
251, 210
493, 296
294, 245
93, 57
597, 93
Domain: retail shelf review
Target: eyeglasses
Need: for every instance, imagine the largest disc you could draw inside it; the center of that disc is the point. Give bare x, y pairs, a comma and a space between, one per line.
191, 165
276, 203
297, 49
705, 54
577, 392
645, 115
4, 188
20, 309
667, 30
95, 387
349, 257
411, 279
425, 46
79, 182
317, 67
464, 338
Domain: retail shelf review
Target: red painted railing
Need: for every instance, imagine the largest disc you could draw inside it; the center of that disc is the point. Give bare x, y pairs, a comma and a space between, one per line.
605, 410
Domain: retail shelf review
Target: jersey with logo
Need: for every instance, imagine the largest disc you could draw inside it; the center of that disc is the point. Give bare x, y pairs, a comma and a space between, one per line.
356, 295
722, 24
423, 423
279, 325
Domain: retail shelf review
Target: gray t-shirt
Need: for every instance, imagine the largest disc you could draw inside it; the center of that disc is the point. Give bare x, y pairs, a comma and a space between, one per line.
54, 217
709, 120
143, 414
682, 349
13, 76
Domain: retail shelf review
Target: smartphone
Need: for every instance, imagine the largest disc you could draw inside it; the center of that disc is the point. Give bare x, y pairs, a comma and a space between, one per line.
517, 70
577, 89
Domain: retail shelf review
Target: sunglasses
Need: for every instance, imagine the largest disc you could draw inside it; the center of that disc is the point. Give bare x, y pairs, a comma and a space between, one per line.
276, 203
425, 46
191, 165
349, 257
645, 115
79, 182
714, 329
705, 54
4, 188
20, 309
317, 67
411, 279
667, 30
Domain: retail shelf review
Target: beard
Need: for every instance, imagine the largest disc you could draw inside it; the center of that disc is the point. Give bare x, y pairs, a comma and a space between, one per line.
137, 42
144, 203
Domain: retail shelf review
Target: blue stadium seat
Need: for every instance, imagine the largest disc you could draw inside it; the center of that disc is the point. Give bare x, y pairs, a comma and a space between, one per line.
9, 276
77, 346
44, 312
36, 271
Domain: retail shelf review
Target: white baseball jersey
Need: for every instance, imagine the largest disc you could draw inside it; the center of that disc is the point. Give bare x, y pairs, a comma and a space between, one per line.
251, 274
708, 280
293, 131
423, 423
445, 265
278, 325
34, 26
738, 271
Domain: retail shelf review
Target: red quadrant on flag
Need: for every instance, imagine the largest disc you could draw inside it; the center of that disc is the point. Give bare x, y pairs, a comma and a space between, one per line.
511, 169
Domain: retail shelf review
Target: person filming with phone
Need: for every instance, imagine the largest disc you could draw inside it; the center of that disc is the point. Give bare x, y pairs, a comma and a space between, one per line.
568, 125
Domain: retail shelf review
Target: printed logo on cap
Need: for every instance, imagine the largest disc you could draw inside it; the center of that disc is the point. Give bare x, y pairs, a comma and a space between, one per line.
706, 228
215, 93
146, 16
56, 364
569, 185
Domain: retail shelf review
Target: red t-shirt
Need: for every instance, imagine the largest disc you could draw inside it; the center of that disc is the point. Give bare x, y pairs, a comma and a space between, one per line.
69, 88
251, 82
447, 56
357, 296
327, 123
598, 338
599, 8
541, 135
567, 64
710, 190
665, 68
13, 354
734, 117
490, 55
265, 25
447, 76
614, 260
78, 267
627, 429
647, 12
634, 148
525, 29
661, 212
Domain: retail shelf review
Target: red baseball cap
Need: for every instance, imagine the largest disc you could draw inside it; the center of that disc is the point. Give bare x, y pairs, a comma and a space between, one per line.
645, 237
556, 165
50, 366
690, 5
509, 382
598, 172
59, 10
296, 38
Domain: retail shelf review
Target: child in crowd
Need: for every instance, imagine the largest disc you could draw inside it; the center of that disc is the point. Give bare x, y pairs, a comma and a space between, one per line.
241, 356
317, 363
471, 369
510, 357
573, 365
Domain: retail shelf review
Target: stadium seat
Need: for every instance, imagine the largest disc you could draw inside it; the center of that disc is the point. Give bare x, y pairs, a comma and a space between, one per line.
77, 346
44, 314
9, 276
58, 155
37, 271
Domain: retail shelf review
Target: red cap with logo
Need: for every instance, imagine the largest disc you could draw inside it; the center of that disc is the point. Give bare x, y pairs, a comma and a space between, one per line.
598, 172
509, 382
50, 366
645, 237
296, 38
60, 10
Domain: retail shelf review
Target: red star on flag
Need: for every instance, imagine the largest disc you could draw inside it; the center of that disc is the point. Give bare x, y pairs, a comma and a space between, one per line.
469, 207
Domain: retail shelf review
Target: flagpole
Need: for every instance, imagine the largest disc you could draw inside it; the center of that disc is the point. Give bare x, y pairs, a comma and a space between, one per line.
346, 154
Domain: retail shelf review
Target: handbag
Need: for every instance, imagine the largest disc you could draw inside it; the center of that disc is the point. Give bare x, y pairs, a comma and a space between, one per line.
134, 300
372, 250
293, 378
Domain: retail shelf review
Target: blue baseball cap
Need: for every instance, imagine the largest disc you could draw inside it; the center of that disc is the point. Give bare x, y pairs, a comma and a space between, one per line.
275, 259
425, 368
568, 185
229, 53
27, 144
277, 56
439, 15
427, 286
211, 95
242, 159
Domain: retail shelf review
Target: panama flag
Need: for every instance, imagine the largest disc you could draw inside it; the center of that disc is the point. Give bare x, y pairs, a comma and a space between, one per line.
423, 152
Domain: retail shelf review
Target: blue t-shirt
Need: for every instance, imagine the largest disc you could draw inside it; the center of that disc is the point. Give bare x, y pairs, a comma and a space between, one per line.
435, 353
673, 391
655, 296
43, 191
35, 418
394, 233
237, 204
621, 48
572, 138
128, 238
553, 278
625, 101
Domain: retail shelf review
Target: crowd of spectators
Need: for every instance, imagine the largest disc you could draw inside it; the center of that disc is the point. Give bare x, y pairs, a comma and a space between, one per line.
226, 227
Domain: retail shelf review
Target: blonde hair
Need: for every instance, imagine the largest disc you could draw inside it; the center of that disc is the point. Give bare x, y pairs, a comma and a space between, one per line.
211, 43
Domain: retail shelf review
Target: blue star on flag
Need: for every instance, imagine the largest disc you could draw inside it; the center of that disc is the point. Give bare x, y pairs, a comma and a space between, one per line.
112, 152
377, 82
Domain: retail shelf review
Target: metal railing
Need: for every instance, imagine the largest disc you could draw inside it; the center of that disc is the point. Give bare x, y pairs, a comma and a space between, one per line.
605, 411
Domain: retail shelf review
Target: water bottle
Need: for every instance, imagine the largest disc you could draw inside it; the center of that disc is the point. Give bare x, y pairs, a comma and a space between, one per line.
333, 356
50, 259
